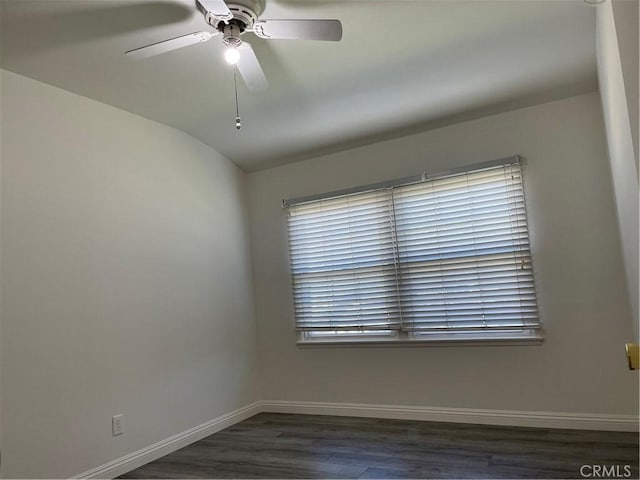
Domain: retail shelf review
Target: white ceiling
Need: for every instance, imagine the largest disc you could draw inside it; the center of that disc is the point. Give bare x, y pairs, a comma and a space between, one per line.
402, 66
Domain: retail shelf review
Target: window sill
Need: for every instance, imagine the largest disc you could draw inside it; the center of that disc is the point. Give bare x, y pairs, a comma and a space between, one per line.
430, 342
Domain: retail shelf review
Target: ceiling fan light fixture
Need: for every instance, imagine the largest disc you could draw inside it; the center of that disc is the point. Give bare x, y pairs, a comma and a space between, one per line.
232, 55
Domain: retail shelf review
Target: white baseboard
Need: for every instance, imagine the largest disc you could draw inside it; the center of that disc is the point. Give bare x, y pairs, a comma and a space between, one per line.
145, 455
578, 421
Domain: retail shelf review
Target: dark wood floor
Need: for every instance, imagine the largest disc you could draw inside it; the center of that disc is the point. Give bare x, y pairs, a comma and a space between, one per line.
273, 445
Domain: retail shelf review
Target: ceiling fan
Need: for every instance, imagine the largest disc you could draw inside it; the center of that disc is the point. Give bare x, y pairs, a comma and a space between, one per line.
234, 19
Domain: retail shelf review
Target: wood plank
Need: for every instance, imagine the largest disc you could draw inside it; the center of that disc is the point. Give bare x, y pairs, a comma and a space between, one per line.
272, 445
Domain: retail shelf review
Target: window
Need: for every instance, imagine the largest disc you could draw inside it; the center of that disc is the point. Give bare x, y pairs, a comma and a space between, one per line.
441, 257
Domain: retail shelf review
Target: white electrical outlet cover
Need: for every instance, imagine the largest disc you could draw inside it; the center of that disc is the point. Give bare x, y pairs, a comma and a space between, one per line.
117, 425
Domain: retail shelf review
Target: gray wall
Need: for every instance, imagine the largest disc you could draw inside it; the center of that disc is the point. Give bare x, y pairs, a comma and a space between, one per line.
578, 267
626, 17
620, 122
126, 284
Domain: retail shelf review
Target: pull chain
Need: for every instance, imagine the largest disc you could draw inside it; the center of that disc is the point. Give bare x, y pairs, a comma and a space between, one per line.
235, 86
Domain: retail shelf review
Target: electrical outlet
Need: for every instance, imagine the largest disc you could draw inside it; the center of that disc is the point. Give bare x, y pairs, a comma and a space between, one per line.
117, 424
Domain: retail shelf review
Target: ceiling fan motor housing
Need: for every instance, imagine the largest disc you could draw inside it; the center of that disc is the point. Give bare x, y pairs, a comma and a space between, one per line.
245, 14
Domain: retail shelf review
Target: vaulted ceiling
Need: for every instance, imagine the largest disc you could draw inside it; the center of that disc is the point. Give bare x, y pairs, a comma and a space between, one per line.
401, 67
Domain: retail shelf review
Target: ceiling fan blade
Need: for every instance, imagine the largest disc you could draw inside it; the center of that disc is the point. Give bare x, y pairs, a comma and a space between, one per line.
330, 30
217, 8
250, 69
171, 44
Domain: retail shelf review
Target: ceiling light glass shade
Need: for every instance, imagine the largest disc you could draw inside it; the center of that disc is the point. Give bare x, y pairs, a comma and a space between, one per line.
232, 55
594, 2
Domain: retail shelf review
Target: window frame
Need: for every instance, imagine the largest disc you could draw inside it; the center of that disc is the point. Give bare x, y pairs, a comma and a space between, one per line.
398, 338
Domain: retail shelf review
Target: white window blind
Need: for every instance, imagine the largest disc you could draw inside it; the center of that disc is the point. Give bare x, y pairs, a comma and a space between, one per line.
442, 255
343, 262
464, 253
